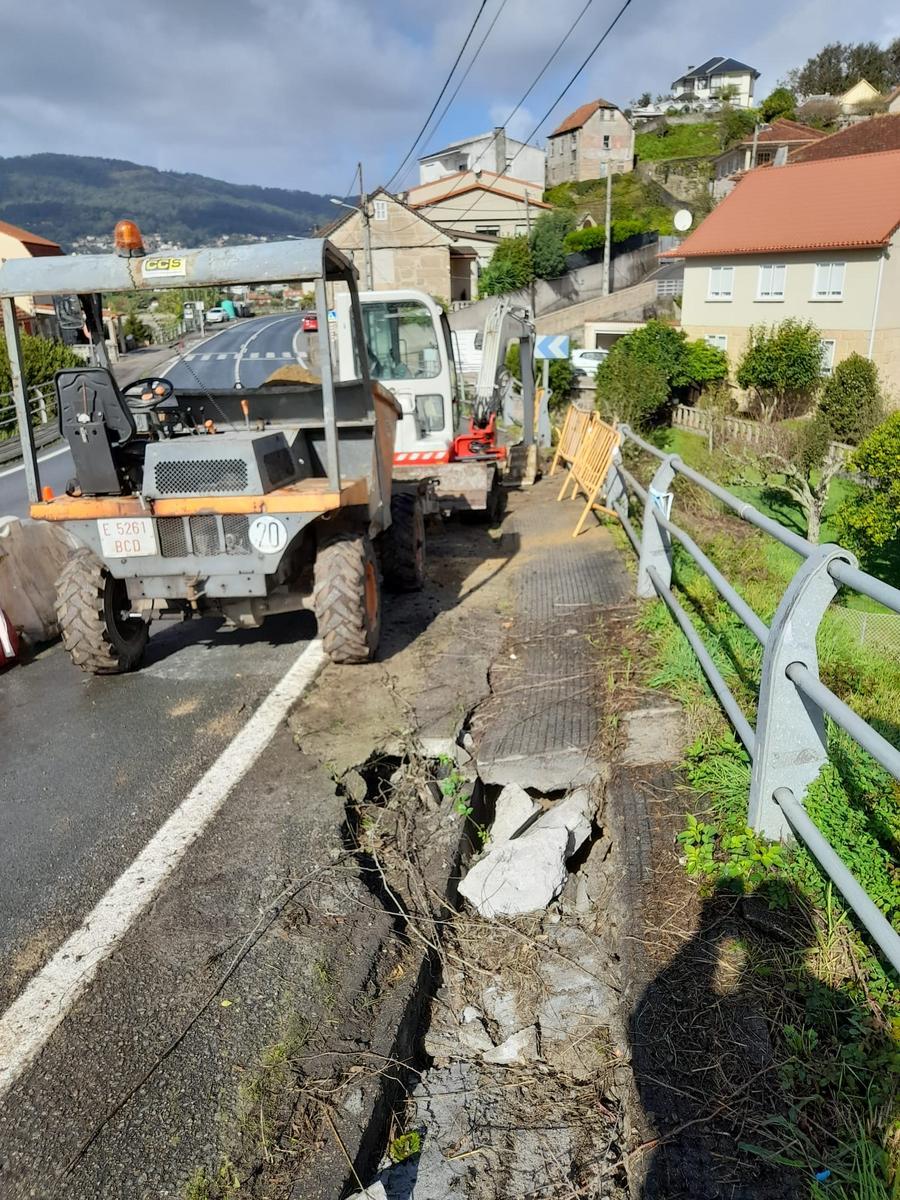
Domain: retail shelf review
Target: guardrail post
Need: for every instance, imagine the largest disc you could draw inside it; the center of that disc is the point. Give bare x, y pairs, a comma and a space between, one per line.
42, 404
656, 545
613, 488
791, 745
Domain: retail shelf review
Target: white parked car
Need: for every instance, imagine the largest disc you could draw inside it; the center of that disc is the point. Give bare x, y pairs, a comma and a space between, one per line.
216, 316
586, 362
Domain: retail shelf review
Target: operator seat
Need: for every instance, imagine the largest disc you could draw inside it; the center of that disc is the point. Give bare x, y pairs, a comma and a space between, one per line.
95, 421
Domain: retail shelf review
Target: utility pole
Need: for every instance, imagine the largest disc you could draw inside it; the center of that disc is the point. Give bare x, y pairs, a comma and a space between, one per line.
367, 234
531, 285
753, 151
608, 226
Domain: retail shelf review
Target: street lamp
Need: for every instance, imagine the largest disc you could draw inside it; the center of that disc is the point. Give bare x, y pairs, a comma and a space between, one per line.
367, 232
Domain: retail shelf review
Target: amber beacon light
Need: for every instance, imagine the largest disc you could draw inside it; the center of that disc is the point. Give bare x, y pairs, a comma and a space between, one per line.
128, 240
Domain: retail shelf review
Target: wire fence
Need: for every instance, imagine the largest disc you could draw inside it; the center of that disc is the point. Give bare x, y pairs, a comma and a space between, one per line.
788, 746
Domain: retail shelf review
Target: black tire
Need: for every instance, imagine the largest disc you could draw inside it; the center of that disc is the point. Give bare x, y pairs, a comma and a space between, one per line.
403, 544
89, 607
347, 598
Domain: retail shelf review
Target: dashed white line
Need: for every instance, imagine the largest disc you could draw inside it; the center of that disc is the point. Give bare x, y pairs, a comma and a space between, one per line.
31, 1019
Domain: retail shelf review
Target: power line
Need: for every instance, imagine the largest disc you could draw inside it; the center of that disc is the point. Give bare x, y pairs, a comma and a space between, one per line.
610, 27
465, 74
440, 96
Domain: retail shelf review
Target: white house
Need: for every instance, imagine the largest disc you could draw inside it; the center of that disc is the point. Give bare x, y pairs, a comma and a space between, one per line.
494, 151
716, 79
480, 202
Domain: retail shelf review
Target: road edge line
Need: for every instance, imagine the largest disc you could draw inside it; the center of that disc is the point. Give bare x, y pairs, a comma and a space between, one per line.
29, 1022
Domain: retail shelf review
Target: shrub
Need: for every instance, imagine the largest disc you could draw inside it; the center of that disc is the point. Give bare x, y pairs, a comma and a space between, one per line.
579, 240
562, 375
869, 521
41, 359
135, 328
780, 103
547, 242
704, 363
782, 367
510, 268
852, 401
631, 388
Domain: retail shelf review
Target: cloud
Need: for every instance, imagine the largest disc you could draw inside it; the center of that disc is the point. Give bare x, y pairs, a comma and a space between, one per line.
292, 94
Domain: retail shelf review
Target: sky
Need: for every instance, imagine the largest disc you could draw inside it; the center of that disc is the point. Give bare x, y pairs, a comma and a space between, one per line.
291, 93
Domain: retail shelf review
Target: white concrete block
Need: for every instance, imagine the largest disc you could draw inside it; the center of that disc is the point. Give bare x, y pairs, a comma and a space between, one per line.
514, 809
517, 1050
520, 876
574, 813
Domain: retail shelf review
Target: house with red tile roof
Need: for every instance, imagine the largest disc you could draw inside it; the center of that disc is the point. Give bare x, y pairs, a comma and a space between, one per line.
20, 243
480, 202
864, 137
751, 152
595, 137
817, 241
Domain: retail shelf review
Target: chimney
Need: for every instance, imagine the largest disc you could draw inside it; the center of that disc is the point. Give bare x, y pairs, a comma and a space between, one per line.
500, 149
781, 156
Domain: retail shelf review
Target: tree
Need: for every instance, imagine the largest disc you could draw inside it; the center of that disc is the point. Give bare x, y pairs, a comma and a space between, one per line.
547, 242
801, 462
838, 65
630, 389
41, 359
137, 329
562, 375
852, 402
735, 124
644, 101
704, 363
782, 368
869, 520
820, 114
780, 103
510, 268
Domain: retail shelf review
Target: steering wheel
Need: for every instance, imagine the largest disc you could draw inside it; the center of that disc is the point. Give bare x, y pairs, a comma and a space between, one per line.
150, 391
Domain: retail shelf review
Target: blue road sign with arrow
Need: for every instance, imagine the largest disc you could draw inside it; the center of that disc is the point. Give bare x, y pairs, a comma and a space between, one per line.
553, 345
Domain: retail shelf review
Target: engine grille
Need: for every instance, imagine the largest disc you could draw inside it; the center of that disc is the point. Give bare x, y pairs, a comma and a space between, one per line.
207, 536
201, 476
171, 536
237, 539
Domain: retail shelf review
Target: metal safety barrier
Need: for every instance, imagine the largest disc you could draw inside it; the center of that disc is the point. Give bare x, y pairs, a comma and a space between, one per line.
41, 404
788, 747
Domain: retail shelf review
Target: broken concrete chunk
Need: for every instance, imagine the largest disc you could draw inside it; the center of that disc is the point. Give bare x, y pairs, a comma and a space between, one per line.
475, 1038
514, 809
500, 1007
374, 1192
520, 876
355, 786
470, 1013
574, 813
517, 1050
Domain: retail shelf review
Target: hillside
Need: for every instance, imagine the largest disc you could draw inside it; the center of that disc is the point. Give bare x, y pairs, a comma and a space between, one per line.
76, 200
641, 202
680, 141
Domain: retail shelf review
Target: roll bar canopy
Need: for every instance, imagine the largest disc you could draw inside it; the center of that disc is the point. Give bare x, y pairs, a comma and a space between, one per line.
262, 262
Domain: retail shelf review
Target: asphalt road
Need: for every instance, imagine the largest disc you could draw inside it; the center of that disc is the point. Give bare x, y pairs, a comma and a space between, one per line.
244, 352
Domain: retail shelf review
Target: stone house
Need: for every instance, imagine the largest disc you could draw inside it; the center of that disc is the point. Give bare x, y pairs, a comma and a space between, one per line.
817, 241
20, 243
411, 251
595, 137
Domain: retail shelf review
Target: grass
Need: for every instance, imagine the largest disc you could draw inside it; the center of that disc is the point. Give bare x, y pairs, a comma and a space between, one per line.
680, 141
633, 198
838, 1007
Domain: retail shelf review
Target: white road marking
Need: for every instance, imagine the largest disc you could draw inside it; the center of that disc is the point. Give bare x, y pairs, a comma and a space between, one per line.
43, 458
31, 1019
205, 357
222, 357
254, 354
270, 354
189, 357
242, 353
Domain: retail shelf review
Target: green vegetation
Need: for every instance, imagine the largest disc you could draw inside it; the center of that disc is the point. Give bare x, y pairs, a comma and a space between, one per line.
679, 141
593, 237
639, 201
548, 237
66, 197
407, 1145
869, 520
839, 65
41, 360
646, 368
782, 368
834, 1010
510, 268
780, 103
852, 401
562, 376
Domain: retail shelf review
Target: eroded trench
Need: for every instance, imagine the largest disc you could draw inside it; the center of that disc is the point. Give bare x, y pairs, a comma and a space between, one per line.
513, 1078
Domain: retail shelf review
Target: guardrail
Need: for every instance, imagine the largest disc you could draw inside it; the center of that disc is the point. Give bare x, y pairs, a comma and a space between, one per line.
788, 747
41, 404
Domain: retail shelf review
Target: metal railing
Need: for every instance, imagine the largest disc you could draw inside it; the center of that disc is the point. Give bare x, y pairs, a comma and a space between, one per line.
788, 747
41, 405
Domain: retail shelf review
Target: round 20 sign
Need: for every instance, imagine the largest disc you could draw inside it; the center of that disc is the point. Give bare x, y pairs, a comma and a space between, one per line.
268, 535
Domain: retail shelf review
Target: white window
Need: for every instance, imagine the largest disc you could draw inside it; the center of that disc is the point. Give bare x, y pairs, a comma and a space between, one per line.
829, 281
718, 340
721, 283
381, 211
827, 345
770, 285
494, 230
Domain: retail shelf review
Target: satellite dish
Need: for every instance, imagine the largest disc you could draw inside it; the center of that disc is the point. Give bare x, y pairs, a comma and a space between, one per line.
683, 220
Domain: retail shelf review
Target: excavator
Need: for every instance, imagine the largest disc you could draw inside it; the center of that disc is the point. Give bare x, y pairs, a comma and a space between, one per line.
411, 352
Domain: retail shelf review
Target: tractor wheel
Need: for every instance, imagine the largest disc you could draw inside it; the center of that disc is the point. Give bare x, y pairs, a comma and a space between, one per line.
347, 598
92, 610
403, 544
